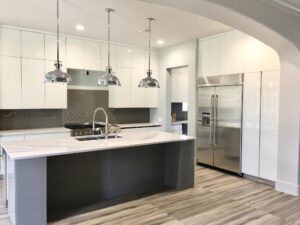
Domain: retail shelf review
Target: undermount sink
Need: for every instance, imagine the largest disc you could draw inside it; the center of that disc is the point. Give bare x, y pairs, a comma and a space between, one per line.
91, 138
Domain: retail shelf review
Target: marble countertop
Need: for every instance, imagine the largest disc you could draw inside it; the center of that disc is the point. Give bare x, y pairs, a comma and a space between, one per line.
62, 146
138, 125
5, 133
16, 132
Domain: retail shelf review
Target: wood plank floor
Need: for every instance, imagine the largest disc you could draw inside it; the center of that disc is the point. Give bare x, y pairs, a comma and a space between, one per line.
217, 199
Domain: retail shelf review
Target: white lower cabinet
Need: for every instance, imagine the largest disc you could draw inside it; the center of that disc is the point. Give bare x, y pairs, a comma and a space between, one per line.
33, 87
10, 83
260, 124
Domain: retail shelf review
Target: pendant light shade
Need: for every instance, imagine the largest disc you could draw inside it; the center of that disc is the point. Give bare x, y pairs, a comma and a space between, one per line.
57, 75
109, 78
149, 81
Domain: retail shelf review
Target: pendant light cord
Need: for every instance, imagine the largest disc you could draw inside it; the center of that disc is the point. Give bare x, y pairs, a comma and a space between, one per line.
108, 36
57, 33
149, 46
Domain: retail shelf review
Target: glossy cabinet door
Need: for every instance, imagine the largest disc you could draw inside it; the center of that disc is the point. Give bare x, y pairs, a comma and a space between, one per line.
139, 59
179, 80
253, 58
10, 42
269, 125
251, 124
104, 56
32, 45
75, 53
124, 57
270, 59
232, 53
55, 93
56, 96
51, 48
91, 55
10, 83
120, 96
203, 60
33, 87
138, 94
214, 57
152, 94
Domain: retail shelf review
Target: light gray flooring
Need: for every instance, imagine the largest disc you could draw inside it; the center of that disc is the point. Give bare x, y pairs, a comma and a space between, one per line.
217, 199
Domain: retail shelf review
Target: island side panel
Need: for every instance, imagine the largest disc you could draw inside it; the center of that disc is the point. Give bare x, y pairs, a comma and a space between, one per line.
27, 191
180, 164
138, 170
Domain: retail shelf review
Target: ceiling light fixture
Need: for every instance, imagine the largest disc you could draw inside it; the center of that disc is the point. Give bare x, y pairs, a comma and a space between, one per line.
160, 42
108, 78
57, 75
79, 27
149, 82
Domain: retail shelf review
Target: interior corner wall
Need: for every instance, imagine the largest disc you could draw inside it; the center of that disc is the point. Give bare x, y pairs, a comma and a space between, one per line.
184, 54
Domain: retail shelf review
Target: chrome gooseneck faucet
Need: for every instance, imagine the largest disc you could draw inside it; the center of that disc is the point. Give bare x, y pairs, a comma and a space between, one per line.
106, 120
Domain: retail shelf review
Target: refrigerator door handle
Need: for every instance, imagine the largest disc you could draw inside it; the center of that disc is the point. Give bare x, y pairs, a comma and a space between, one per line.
216, 105
211, 122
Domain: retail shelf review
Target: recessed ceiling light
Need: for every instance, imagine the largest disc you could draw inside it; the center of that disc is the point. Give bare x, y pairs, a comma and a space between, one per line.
160, 42
80, 27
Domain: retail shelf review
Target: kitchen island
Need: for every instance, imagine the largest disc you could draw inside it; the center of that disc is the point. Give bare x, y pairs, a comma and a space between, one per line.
49, 179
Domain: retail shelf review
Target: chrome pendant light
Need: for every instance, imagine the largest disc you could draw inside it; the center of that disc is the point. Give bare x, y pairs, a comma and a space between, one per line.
149, 82
57, 75
108, 78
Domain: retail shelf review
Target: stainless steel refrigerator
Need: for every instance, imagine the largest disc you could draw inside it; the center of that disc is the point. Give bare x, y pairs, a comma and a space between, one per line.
219, 121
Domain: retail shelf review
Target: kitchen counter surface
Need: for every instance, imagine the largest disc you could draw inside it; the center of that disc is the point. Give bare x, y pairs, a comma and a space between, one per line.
17, 132
63, 146
5, 133
138, 125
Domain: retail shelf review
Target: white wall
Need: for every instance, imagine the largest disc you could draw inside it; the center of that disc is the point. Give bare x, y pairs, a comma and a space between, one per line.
176, 56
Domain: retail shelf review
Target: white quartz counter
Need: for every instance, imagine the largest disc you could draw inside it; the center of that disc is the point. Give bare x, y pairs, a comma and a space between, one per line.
6, 133
63, 146
17, 132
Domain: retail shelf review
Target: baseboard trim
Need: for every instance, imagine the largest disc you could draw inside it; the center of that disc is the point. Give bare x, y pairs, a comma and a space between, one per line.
259, 179
287, 187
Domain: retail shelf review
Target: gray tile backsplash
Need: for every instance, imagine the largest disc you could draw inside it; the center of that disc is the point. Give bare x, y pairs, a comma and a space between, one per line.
81, 105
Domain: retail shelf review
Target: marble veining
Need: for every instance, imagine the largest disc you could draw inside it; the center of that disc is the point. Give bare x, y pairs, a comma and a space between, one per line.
62, 146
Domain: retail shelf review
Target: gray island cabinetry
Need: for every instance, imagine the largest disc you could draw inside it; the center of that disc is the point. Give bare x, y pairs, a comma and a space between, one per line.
51, 179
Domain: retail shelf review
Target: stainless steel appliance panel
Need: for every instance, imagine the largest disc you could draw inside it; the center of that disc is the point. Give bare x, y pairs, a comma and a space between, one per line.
205, 125
227, 144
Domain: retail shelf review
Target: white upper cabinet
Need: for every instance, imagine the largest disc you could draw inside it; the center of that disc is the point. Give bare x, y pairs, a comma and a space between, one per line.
51, 47
235, 52
33, 88
91, 54
32, 45
139, 98
56, 95
120, 96
104, 56
203, 62
253, 58
232, 54
152, 93
124, 57
75, 53
10, 83
139, 58
10, 42
214, 57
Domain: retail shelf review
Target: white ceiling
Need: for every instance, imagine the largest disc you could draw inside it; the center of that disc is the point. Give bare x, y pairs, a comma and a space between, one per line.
172, 25
292, 6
